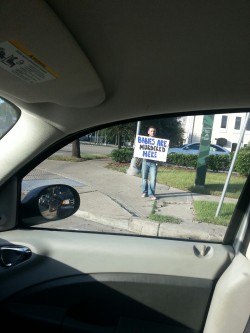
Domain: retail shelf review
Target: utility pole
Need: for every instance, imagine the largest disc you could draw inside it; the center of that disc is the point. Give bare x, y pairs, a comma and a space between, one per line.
133, 170
204, 150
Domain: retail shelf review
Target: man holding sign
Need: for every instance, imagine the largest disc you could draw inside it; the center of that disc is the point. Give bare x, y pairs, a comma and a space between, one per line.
151, 150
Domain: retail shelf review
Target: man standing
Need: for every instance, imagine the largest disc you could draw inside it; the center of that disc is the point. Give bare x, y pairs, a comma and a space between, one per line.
149, 172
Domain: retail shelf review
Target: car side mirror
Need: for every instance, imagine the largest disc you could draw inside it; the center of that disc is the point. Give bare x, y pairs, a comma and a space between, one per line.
51, 203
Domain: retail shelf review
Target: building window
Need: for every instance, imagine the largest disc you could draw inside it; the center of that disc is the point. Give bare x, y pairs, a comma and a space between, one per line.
237, 123
223, 122
248, 125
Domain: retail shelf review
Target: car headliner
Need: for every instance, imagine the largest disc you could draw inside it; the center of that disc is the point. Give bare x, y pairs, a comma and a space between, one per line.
122, 59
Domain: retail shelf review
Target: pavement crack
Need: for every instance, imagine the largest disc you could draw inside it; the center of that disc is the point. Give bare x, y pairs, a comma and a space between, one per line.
86, 192
122, 206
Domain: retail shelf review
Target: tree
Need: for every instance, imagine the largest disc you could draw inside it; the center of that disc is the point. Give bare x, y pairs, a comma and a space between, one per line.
119, 134
166, 128
76, 152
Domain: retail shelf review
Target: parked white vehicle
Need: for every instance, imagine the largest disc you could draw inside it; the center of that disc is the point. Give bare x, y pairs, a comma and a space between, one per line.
193, 148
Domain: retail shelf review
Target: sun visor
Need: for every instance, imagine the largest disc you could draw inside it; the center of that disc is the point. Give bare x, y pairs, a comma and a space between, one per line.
41, 62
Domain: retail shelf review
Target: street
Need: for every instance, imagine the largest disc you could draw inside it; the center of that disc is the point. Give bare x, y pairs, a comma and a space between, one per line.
39, 177
80, 224
87, 148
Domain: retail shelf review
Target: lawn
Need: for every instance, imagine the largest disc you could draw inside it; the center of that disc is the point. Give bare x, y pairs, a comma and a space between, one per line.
184, 179
205, 212
84, 157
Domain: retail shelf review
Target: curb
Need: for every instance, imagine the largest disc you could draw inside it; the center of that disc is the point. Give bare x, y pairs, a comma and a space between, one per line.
185, 230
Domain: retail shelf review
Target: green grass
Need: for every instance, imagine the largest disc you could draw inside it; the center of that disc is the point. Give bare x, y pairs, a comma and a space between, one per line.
84, 157
205, 212
162, 218
184, 179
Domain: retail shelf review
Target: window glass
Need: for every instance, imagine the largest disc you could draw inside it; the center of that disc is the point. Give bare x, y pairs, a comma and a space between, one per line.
110, 176
237, 123
223, 122
215, 148
248, 125
195, 147
9, 115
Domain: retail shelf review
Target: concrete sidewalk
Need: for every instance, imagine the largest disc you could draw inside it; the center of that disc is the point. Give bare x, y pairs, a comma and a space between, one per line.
114, 198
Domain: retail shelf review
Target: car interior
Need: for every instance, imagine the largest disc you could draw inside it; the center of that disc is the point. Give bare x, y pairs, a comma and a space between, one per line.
67, 70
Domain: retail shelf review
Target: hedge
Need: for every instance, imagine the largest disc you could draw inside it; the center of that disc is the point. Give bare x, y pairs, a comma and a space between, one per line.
242, 164
214, 162
123, 155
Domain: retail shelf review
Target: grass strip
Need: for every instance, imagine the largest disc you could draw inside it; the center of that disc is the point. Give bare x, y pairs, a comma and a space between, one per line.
84, 157
162, 218
205, 212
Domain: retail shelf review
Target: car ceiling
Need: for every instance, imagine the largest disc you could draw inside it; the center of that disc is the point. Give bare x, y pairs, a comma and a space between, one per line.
121, 59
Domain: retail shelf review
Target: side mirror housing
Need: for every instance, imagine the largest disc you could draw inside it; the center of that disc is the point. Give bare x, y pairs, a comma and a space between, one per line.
49, 203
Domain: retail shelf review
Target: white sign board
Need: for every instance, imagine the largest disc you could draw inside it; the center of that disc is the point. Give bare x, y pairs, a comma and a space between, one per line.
151, 148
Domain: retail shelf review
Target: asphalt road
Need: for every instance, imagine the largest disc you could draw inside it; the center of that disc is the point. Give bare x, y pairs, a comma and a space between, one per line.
80, 224
73, 222
87, 148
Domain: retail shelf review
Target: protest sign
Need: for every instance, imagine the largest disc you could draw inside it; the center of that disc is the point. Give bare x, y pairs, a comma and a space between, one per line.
151, 148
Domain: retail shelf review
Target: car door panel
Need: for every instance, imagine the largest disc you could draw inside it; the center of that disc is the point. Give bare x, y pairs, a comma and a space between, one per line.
105, 280
230, 306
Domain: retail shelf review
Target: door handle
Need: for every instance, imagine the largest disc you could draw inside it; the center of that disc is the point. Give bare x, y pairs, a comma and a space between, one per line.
11, 255
203, 251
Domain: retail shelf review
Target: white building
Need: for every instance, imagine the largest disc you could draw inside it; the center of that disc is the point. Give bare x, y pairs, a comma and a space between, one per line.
226, 125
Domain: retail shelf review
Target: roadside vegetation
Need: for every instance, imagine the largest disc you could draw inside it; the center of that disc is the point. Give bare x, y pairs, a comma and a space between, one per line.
205, 212
183, 179
162, 218
84, 157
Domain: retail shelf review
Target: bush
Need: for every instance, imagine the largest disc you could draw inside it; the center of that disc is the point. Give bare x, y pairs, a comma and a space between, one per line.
214, 162
185, 160
218, 162
123, 155
242, 164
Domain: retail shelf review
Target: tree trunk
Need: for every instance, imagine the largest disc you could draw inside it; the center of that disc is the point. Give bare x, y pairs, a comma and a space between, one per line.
119, 143
76, 149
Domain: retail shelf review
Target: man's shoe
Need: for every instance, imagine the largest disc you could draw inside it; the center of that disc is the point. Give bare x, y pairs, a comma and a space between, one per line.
143, 195
152, 197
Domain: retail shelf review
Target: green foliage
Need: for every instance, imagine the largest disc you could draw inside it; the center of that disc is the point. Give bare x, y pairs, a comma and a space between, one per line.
214, 162
162, 218
84, 157
123, 155
166, 128
184, 179
242, 164
119, 134
205, 212
218, 162
185, 160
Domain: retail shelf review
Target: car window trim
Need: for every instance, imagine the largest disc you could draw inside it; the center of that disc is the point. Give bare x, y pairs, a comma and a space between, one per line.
238, 214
